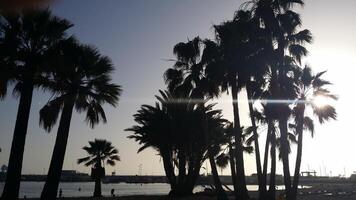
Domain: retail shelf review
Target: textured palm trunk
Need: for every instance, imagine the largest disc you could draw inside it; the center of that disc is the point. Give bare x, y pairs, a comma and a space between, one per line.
97, 188
265, 161
272, 181
240, 168
13, 177
261, 188
55, 170
285, 157
300, 123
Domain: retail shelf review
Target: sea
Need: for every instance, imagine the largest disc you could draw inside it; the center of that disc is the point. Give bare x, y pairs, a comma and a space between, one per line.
85, 189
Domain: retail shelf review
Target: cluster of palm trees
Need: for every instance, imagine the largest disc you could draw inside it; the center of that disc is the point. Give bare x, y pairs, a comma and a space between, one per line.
259, 51
36, 52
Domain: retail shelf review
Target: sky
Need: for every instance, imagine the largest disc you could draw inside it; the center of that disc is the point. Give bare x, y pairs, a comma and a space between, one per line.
139, 35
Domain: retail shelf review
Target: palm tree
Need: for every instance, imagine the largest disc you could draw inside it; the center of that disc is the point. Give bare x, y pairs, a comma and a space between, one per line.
188, 77
24, 43
234, 50
81, 81
174, 127
309, 87
241, 63
281, 24
99, 152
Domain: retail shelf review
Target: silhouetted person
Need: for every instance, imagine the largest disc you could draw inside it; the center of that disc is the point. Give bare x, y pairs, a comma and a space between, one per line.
24, 197
113, 192
79, 189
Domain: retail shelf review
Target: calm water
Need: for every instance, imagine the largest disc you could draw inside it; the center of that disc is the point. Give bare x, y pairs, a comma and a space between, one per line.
33, 189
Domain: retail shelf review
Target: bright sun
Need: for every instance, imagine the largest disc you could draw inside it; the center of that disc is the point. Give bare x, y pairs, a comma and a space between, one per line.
320, 101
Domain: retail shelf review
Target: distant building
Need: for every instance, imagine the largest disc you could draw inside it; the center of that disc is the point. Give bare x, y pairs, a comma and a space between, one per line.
353, 178
72, 175
308, 173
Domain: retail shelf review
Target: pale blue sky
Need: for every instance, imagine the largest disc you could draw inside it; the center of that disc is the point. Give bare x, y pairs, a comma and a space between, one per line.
139, 34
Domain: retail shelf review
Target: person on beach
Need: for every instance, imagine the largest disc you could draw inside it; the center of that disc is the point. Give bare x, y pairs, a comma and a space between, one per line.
113, 192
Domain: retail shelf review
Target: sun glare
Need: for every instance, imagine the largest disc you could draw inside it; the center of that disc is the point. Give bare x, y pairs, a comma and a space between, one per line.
320, 101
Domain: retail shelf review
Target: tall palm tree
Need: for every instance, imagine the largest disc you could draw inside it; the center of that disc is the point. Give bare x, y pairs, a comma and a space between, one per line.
25, 39
281, 23
234, 50
241, 64
309, 87
81, 82
99, 152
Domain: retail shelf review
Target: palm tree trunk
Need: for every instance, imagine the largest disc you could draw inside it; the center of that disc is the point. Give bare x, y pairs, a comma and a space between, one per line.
240, 168
13, 177
194, 168
261, 187
169, 169
220, 193
181, 165
265, 160
97, 188
182, 175
284, 154
300, 124
233, 169
272, 178
55, 170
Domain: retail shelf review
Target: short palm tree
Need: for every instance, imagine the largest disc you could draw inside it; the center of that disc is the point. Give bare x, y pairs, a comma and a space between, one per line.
99, 152
174, 127
25, 40
188, 76
81, 82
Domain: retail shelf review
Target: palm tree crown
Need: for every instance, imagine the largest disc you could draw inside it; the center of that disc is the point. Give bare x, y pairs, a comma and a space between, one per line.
83, 77
25, 41
100, 152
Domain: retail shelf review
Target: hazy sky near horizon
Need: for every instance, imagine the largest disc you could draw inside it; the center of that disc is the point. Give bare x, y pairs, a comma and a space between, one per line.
138, 35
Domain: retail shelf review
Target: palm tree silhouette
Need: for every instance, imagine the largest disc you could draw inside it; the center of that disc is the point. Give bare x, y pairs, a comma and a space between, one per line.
99, 152
174, 128
24, 44
309, 87
188, 77
239, 64
281, 24
81, 81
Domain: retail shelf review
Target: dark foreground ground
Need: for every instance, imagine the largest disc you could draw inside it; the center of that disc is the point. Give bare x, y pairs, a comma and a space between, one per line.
316, 192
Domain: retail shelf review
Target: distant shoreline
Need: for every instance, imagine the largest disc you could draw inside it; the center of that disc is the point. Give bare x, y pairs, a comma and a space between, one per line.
203, 180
